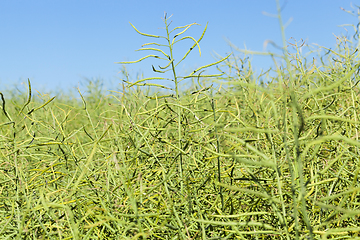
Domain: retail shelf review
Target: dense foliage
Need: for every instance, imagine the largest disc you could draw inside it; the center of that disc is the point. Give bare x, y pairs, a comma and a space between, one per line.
228, 159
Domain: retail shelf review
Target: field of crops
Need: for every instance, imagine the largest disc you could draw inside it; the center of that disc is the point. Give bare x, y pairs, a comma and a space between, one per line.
228, 158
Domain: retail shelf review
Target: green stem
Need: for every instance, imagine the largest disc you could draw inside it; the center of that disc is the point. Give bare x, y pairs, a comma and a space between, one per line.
178, 100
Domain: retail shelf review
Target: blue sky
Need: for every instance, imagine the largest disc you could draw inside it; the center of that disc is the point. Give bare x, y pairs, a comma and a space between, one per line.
59, 43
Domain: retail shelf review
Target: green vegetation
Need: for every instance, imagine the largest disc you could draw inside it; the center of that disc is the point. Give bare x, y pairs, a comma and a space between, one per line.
228, 158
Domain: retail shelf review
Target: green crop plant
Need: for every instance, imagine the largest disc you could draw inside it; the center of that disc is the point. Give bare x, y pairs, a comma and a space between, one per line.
171, 39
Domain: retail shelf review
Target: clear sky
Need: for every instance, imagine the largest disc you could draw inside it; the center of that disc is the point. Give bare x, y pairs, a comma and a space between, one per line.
59, 43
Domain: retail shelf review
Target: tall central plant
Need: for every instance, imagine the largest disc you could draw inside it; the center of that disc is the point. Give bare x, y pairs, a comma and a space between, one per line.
170, 40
